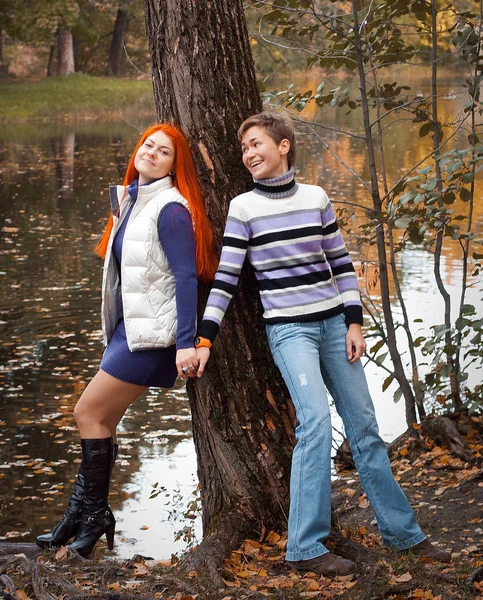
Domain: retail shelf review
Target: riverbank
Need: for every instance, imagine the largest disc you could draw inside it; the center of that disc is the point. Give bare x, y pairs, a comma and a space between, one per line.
446, 492
74, 98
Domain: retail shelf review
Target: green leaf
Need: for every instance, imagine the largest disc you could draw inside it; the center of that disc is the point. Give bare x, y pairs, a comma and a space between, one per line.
468, 309
377, 346
449, 197
402, 222
426, 170
408, 196
424, 130
465, 195
467, 177
387, 382
398, 395
430, 185
381, 358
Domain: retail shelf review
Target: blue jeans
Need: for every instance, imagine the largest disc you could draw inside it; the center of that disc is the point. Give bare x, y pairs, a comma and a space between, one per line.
311, 358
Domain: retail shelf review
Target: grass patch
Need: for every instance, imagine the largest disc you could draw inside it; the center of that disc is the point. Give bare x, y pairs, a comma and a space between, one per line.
78, 96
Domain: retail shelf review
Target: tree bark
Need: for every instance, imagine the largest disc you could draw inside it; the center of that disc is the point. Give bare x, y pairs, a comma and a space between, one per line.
204, 81
66, 52
114, 65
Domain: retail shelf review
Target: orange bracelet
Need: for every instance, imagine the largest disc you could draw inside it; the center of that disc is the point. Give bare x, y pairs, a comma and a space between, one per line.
201, 342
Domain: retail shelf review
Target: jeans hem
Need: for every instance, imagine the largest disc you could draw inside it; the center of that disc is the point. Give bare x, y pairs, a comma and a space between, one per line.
406, 544
306, 554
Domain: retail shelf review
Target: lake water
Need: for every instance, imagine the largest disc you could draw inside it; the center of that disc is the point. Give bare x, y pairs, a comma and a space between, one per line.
53, 204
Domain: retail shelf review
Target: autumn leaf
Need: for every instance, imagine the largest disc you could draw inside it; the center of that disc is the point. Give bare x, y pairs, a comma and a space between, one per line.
61, 553
363, 502
403, 578
312, 585
140, 569
273, 537
114, 586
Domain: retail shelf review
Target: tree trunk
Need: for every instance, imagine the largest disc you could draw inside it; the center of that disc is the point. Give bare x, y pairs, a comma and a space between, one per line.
52, 53
115, 54
3, 68
204, 81
399, 372
66, 52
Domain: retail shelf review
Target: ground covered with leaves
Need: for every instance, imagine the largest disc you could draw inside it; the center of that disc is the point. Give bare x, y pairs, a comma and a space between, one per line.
445, 490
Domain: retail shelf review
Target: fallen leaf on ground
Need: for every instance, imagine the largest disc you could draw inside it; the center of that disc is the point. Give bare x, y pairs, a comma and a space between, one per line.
273, 537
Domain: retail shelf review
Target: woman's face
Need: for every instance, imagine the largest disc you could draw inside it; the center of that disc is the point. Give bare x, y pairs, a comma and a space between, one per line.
155, 157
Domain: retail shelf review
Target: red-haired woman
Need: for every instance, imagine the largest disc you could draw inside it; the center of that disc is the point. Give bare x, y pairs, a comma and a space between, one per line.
156, 246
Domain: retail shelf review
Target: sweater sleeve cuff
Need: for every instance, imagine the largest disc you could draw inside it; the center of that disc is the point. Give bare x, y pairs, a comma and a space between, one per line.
208, 329
353, 314
183, 344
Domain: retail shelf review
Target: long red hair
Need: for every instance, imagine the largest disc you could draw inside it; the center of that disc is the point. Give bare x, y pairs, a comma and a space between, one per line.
186, 180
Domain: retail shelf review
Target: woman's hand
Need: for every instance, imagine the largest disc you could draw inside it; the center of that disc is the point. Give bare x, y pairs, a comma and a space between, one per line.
356, 344
186, 363
203, 355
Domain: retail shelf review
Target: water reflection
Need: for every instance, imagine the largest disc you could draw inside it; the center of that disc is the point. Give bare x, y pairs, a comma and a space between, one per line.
53, 204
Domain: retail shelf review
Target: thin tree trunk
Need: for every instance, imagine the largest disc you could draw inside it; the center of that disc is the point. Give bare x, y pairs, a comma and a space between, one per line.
114, 65
204, 81
399, 373
466, 242
454, 383
52, 53
417, 387
66, 52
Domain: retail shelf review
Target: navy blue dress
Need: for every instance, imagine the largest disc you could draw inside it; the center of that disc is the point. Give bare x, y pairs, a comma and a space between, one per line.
156, 367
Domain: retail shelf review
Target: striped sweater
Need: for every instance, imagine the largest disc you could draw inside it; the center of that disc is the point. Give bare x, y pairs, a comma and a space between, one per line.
295, 247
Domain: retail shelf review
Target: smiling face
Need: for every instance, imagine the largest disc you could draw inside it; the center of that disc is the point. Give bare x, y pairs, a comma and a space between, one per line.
262, 156
155, 157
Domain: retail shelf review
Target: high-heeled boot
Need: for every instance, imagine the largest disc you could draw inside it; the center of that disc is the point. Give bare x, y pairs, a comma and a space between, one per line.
97, 518
68, 525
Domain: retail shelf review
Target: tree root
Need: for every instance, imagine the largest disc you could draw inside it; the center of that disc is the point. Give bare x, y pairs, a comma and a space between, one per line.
57, 580
8, 584
477, 575
444, 432
171, 582
38, 585
352, 550
108, 596
14, 561
208, 559
9, 549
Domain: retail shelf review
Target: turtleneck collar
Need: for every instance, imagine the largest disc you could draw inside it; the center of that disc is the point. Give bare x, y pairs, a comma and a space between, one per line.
133, 187
278, 187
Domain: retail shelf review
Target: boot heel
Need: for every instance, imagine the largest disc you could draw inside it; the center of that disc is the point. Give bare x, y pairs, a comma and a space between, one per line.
110, 536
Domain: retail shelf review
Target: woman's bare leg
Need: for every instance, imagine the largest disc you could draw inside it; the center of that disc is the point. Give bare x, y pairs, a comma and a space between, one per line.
103, 404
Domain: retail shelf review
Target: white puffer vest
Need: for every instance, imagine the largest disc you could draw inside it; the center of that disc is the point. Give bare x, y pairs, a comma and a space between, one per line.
146, 292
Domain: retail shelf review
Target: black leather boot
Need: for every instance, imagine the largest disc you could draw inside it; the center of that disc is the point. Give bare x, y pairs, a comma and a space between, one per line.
69, 524
97, 518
